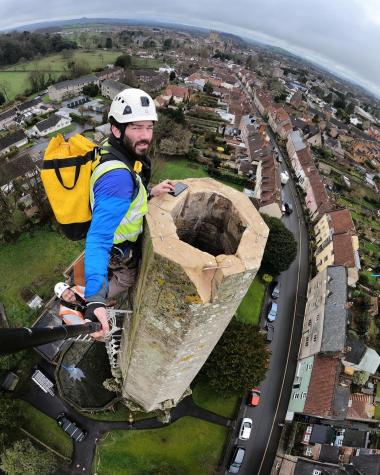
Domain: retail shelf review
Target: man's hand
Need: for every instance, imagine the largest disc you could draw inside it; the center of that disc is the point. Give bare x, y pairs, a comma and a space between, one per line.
163, 187
101, 314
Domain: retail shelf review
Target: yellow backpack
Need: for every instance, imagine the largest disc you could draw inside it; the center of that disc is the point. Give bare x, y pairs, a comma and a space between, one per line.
66, 173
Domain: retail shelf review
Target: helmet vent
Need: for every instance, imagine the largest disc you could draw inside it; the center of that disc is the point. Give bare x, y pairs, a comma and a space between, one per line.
127, 110
144, 101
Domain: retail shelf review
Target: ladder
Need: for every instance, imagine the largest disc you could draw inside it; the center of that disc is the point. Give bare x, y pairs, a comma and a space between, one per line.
113, 337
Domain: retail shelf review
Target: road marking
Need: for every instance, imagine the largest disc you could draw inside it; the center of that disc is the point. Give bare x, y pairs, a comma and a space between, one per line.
291, 336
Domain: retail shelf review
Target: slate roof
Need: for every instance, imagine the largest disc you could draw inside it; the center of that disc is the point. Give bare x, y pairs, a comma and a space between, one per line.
7, 114
367, 464
322, 434
29, 104
75, 82
48, 123
18, 167
354, 438
357, 350
12, 139
329, 453
335, 320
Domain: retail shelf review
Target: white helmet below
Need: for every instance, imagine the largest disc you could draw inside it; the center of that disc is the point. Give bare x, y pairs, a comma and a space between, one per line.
132, 105
59, 288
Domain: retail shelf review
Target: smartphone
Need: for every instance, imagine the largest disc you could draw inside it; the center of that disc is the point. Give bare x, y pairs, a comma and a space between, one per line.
178, 189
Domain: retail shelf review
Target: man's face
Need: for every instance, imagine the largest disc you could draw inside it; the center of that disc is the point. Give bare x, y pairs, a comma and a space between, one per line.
68, 296
138, 137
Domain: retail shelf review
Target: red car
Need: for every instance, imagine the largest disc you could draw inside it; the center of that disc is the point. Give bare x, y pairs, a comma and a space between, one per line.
254, 397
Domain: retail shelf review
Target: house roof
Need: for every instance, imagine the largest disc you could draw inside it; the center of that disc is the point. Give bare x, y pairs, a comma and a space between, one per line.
320, 397
341, 221
51, 121
356, 352
83, 80
304, 467
7, 114
15, 168
360, 406
343, 250
335, 320
329, 453
115, 84
367, 464
12, 139
297, 140
176, 91
28, 104
354, 438
322, 434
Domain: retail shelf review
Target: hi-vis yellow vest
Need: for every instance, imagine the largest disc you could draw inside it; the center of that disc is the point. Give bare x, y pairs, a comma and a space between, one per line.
132, 223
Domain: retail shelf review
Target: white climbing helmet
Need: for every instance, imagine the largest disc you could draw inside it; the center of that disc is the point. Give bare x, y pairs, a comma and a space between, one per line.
132, 105
59, 288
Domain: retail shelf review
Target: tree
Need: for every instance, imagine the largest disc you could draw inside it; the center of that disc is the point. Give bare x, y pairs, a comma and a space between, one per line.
281, 248
109, 43
91, 90
360, 378
207, 88
2, 99
167, 44
23, 458
123, 61
239, 360
172, 76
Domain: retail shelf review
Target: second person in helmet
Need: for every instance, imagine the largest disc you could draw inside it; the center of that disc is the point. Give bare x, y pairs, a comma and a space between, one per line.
119, 193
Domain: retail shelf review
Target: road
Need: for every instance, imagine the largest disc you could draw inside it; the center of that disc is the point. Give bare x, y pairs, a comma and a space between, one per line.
276, 388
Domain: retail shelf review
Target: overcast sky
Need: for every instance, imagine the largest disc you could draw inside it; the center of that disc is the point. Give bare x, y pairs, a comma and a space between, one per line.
343, 35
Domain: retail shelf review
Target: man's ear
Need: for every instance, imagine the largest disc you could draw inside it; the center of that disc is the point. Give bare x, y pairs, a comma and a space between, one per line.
116, 132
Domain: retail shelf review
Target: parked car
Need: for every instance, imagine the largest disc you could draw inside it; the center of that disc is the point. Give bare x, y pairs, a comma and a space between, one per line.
245, 428
288, 208
272, 314
254, 397
276, 290
236, 460
270, 332
70, 428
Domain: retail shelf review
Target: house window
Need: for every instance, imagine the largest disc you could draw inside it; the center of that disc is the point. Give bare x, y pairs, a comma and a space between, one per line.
307, 341
303, 396
317, 472
309, 323
309, 366
325, 258
308, 452
315, 337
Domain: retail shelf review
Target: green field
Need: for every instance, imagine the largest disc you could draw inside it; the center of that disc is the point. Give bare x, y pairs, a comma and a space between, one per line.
187, 447
250, 307
178, 169
15, 78
35, 262
46, 430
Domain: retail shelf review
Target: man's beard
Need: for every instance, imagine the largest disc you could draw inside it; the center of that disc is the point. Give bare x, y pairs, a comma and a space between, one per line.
131, 149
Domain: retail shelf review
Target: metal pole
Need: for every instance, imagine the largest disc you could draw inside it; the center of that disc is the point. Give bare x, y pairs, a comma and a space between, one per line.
13, 340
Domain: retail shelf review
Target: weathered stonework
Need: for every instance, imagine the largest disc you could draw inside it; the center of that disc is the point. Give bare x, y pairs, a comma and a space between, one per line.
201, 252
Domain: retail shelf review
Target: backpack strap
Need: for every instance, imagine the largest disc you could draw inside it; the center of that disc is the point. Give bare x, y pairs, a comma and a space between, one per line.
112, 154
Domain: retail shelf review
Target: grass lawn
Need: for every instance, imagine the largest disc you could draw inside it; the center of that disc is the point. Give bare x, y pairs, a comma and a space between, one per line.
378, 389
377, 411
206, 397
46, 430
64, 131
35, 261
187, 447
250, 307
178, 169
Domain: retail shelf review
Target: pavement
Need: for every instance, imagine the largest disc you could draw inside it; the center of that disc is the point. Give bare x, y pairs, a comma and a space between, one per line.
84, 452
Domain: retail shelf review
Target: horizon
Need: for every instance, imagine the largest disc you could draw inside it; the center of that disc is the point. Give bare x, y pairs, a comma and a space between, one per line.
322, 46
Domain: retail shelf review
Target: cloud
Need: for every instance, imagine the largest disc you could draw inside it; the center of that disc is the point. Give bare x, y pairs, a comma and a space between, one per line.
343, 35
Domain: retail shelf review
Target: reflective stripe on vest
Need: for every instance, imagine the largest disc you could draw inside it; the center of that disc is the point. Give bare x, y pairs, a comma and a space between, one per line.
132, 223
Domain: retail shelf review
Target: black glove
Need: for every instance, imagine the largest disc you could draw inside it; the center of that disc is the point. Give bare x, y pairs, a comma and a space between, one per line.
91, 307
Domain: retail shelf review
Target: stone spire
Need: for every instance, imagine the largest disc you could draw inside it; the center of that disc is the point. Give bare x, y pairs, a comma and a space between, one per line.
201, 251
